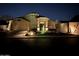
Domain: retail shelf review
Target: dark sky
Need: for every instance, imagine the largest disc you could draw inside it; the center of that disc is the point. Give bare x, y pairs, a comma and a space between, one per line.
52, 10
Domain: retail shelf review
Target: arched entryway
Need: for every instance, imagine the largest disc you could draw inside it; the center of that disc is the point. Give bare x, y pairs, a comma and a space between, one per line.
42, 24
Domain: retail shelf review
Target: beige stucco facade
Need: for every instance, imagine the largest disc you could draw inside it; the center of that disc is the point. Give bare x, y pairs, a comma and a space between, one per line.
64, 27
51, 24
32, 18
74, 28
41, 23
22, 25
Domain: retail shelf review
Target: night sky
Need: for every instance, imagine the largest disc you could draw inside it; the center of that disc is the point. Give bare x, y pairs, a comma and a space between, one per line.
52, 10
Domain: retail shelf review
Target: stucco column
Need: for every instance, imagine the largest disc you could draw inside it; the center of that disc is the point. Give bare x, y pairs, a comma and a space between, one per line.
46, 23
9, 25
38, 27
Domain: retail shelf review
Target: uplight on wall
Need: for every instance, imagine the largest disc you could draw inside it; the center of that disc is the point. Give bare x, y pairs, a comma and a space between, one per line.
38, 29
46, 29
31, 33
72, 30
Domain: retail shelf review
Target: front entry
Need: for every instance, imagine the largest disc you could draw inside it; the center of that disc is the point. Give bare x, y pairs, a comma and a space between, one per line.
42, 28
42, 25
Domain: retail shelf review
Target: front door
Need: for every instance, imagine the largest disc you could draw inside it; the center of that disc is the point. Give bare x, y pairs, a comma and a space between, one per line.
42, 29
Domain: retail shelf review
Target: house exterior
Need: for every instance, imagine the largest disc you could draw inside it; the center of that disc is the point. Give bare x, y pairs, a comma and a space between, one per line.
69, 27
41, 24
20, 24
35, 21
32, 18
74, 25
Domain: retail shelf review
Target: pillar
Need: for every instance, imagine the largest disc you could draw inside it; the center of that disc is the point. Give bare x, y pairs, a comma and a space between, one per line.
9, 25
38, 27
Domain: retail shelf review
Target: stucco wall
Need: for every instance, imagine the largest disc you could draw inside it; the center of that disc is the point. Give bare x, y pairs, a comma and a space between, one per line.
63, 27
74, 28
51, 24
3, 27
20, 25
